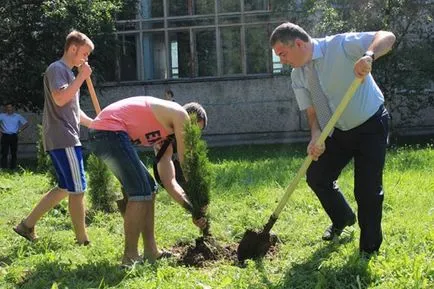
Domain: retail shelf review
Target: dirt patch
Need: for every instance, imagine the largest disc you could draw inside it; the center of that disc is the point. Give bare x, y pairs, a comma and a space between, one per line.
205, 251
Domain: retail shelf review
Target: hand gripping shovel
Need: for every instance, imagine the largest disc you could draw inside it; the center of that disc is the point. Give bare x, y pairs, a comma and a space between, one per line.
92, 93
256, 244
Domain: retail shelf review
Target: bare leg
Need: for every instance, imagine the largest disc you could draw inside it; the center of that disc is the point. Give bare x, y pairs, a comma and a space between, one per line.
133, 224
77, 212
48, 201
151, 251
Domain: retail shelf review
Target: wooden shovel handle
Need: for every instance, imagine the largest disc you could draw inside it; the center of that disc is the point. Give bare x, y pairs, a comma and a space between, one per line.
326, 131
95, 101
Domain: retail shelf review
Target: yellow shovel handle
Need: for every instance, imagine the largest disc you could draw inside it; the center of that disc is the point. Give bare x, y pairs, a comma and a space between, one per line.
326, 131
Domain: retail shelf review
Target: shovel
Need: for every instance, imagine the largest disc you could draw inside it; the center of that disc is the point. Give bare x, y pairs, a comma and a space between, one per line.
93, 95
256, 244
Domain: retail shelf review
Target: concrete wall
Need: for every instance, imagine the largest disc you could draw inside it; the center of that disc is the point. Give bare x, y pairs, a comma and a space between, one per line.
240, 111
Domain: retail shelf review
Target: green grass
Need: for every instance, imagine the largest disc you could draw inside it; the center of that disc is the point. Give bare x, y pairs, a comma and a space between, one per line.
249, 183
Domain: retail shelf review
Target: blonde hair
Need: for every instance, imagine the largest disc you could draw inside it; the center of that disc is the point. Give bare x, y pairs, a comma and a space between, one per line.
77, 38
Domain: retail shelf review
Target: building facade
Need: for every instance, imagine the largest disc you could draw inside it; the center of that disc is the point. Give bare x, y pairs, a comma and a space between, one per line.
216, 52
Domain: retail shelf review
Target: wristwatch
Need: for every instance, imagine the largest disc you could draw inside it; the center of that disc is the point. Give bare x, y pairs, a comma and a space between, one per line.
370, 54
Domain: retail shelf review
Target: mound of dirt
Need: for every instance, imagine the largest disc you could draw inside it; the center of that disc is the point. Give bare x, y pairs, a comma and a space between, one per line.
205, 251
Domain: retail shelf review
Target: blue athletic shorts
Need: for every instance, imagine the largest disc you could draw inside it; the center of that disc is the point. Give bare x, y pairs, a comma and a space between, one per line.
68, 163
117, 151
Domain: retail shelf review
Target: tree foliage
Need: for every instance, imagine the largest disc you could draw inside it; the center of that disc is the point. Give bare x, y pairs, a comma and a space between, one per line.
33, 35
102, 185
405, 75
197, 169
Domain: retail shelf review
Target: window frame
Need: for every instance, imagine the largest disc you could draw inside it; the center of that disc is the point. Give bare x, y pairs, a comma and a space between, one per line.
140, 26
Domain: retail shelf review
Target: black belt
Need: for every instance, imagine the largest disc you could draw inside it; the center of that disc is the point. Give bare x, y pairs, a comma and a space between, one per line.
380, 112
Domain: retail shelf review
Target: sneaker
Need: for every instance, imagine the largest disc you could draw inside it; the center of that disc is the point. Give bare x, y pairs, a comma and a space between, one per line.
332, 231
26, 232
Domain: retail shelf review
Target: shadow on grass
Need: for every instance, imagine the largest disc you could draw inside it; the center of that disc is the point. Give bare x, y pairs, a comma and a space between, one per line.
315, 273
101, 274
259, 264
256, 152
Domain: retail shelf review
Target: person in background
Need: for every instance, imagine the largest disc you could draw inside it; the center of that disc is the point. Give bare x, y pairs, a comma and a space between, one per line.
11, 125
323, 69
168, 95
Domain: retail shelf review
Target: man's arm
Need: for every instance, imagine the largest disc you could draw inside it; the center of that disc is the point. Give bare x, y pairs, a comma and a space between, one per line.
180, 118
1, 124
166, 171
84, 119
381, 44
23, 127
64, 95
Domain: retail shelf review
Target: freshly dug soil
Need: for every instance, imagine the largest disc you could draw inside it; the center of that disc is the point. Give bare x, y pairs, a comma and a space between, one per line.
205, 251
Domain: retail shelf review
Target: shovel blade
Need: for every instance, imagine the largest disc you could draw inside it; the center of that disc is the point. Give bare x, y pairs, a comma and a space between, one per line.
254, 245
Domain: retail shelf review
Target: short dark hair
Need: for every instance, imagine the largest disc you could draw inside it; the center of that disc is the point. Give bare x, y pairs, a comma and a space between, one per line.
287, 32
198, 110
170, 92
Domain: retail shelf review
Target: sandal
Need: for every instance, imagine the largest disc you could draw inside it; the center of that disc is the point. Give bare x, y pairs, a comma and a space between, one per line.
25, 232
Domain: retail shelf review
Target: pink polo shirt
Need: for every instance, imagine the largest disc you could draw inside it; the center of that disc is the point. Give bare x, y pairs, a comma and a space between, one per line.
133, 115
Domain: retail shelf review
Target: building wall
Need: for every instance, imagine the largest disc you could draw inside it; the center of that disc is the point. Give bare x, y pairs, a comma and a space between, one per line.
248, 110
240, 111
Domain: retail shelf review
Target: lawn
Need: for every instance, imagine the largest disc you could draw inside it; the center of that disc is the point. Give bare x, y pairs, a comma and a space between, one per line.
249, 182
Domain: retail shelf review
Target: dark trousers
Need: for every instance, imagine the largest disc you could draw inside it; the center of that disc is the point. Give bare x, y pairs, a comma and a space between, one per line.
9, 142
366, 144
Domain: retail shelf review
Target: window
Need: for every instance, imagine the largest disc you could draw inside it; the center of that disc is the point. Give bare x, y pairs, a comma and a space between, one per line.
231, 50
257, 49
180, 45
175, 39
206, 53
154, 64
128, 57
226, 6
251, 5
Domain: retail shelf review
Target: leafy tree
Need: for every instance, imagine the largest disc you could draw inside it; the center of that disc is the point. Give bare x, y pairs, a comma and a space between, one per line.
405, 75
33, 35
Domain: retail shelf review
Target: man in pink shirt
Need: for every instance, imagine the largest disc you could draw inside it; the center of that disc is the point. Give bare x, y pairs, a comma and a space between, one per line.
146, 121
